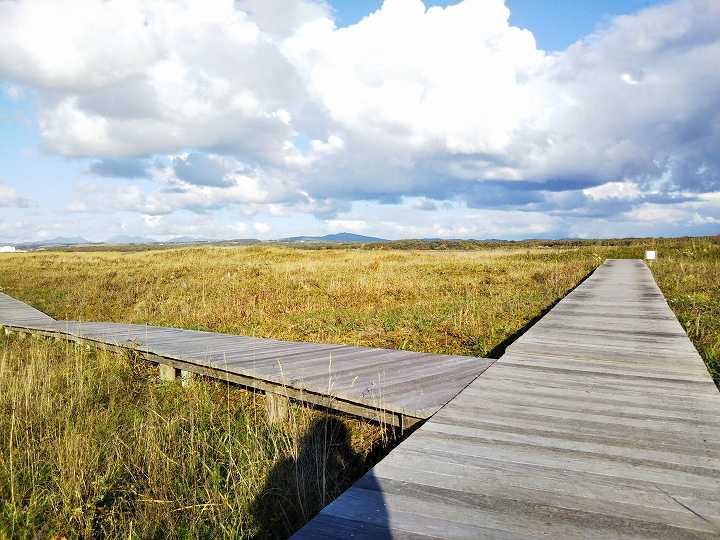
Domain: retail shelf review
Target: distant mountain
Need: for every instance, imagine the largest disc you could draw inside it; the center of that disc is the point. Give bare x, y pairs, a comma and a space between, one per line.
58, 241
239, 242
126, 239
343, 237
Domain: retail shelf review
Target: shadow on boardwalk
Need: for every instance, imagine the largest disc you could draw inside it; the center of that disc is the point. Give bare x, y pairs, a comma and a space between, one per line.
297, 489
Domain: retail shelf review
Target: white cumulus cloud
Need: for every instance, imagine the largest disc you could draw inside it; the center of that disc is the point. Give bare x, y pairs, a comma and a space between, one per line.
269, 105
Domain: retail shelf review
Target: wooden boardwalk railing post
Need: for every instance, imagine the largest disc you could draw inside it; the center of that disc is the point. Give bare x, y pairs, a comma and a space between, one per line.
277, 407
167, 373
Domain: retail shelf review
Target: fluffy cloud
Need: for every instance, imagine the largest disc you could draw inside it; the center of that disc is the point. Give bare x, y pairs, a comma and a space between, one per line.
447, 95
245, 191
614, 190
9, 197
203, 170
636, 100
136, 77
411, 76
352, 225
269, 106
262, 228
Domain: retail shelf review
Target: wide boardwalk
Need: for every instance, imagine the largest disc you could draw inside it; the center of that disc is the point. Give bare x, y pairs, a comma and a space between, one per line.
395, 387
599, 422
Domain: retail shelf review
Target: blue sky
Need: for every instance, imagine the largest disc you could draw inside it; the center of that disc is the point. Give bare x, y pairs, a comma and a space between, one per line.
556, 24
259, 118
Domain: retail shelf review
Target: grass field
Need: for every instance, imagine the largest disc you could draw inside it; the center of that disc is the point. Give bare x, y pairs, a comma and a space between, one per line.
688, 272
94, 445
459, 302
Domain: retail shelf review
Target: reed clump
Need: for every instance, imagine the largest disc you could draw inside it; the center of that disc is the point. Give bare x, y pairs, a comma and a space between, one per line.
92, 444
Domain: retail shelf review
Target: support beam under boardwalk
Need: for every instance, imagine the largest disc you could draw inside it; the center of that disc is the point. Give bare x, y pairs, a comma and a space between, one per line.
277, 407
167, 373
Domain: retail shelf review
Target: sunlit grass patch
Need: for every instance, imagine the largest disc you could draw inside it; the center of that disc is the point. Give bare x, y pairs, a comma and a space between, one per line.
93, 444
450, 302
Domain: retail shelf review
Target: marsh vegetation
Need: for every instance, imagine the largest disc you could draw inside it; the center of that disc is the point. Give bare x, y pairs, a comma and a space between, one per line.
688, 272
93, 444
462, 302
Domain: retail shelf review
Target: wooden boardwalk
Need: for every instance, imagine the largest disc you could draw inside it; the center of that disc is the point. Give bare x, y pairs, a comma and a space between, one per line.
599, 422
15, 312
395, 387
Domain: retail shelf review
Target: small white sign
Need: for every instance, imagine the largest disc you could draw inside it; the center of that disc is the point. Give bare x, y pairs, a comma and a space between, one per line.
650, 255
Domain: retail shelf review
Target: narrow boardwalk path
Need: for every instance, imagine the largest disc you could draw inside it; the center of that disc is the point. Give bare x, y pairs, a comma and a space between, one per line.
396, 387
599, 422
15, 312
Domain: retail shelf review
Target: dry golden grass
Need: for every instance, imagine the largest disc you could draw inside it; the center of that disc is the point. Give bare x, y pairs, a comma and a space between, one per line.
99, 447
93, 445
688, 272
459, 302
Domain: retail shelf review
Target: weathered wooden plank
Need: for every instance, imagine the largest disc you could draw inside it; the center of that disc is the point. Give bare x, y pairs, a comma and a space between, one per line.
600, 421
406, 507
403, 383
14, 311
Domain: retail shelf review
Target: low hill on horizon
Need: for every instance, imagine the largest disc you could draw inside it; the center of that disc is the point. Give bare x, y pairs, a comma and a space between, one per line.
344, 237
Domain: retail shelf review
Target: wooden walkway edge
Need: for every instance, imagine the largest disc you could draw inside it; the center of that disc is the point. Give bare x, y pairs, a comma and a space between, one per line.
399, 388
600, 422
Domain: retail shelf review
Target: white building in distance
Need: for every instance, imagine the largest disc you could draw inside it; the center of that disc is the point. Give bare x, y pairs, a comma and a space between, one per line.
7, 249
